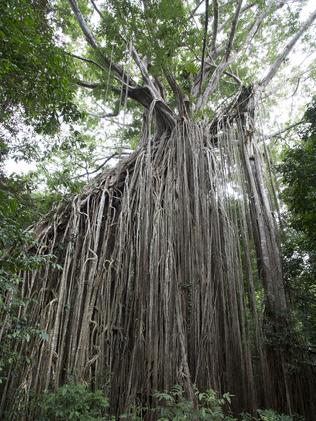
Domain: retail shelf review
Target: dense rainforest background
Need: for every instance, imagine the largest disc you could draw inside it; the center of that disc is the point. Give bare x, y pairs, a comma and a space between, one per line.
158, 210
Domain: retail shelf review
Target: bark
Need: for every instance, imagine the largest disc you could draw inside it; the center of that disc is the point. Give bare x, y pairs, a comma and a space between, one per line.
159, 277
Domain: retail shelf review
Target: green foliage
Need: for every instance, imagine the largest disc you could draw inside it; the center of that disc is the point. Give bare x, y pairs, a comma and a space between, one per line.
16, 212
299, 173
299, 177
158, 28
175, 406
300, 275
270, 415
72, 402
76, 402
35, 74
64, 170
38, 88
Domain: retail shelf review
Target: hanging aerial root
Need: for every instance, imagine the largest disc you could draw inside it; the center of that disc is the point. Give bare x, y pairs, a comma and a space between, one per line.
158, 279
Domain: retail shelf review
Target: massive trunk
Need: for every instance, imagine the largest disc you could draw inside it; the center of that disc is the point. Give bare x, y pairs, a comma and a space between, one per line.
164, 258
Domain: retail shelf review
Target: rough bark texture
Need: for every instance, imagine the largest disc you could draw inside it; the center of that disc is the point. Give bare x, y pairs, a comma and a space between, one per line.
162, 259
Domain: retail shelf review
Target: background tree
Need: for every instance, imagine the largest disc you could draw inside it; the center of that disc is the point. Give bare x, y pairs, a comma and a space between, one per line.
35, 75
299, 178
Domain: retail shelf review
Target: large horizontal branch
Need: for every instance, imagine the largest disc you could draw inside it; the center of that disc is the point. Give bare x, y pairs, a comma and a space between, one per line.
286, 51
140, 94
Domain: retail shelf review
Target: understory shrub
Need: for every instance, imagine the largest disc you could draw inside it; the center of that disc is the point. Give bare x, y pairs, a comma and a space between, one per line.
75, 402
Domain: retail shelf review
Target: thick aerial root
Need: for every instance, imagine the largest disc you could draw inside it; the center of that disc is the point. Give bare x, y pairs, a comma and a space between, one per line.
159, 277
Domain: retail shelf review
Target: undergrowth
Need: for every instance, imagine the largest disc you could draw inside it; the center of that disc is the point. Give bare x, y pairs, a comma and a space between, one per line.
75, 402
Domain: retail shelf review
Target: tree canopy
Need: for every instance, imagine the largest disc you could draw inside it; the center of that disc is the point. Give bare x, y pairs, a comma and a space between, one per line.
35, 73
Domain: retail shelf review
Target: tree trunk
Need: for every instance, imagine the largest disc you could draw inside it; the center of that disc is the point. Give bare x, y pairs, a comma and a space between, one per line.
159, 278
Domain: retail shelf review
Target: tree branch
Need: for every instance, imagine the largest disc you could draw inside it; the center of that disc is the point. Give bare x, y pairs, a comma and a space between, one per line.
97, 9
91, 39
83, 25
195, 9
286, 51
233, 30
278, 133
222, 26
87, 173
143, 95
89, 85
215, 78
253, 29
212, 85
231, 75
228, 58
215, 25
143, 69
204, 41
87, 60
248, 6
181, 103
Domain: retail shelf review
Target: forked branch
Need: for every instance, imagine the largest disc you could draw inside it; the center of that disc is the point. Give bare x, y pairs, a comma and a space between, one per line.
144, 95
91, 39
216, 76
229, 58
